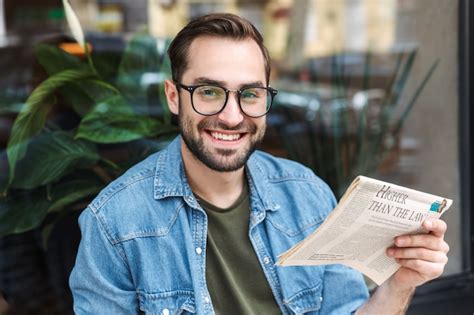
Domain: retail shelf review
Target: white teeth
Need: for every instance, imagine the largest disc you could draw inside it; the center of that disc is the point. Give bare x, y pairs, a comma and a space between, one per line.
225, 137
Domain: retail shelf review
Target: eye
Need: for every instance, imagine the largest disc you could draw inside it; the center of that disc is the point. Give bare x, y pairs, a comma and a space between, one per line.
249, 93
252, 93
210, 91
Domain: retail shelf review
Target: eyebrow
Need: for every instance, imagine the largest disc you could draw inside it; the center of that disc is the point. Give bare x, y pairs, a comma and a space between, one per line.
204, 80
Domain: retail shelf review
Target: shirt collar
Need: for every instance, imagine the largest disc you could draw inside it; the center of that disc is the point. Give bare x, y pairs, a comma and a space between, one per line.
259, 186
170, 179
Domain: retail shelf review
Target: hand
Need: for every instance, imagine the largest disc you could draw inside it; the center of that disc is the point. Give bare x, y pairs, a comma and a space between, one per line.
422, 256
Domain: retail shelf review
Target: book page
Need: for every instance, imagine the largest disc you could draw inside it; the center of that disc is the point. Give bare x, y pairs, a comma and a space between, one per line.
363, 225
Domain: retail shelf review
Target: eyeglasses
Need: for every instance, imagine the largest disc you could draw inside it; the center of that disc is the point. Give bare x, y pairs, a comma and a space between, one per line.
208, 100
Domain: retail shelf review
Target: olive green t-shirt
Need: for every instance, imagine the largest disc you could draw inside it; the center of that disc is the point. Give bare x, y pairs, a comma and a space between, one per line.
234, 276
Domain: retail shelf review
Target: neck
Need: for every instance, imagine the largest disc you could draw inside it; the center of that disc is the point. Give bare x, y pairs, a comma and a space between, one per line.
220, 189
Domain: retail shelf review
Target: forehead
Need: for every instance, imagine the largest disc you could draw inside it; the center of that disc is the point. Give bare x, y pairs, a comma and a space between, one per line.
223, 59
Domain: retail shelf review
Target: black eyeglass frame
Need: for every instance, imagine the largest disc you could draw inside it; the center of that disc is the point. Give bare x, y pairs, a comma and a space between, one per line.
192, 88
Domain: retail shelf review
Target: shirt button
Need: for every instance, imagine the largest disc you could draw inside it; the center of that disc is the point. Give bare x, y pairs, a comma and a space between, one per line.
207, 299
266, 260
198, 250
165, 312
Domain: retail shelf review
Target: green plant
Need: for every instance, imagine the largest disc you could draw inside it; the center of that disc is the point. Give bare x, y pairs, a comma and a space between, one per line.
55, 167
337, 138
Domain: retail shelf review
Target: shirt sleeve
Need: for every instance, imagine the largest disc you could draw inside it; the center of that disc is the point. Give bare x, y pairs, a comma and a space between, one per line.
101, 282
344, 290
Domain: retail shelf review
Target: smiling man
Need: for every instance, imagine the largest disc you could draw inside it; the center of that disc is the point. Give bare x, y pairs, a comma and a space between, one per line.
197, 227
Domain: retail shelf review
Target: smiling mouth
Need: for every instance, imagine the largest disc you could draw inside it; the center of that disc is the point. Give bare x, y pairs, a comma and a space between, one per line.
226, 136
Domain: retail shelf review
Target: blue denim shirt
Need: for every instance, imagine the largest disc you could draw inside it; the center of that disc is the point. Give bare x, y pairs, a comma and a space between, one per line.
143, 245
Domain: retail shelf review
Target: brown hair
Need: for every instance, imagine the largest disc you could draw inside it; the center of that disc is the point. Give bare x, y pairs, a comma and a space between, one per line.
217, 24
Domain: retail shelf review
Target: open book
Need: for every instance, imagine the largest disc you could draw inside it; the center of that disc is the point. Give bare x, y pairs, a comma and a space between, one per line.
364, 223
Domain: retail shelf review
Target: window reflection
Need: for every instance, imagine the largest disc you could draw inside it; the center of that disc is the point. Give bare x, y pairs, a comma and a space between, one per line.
366, 87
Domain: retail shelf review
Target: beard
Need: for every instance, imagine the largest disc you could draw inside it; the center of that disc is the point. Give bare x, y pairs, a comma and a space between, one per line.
222, 160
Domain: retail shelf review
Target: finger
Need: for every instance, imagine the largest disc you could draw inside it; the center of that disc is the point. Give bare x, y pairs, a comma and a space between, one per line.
418, 253
426, 269
436, 227
422, 240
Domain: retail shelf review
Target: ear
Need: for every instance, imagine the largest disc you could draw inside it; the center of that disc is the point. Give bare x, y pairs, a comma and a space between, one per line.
172, 96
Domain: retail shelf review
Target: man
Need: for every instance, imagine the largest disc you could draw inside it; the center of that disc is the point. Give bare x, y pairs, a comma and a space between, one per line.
197, 227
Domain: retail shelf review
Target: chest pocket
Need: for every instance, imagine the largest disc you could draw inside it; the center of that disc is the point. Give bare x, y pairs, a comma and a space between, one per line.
169, 303
306, 302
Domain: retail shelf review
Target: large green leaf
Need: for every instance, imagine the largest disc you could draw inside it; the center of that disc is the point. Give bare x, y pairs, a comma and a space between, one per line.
111, 121
107, 63
121, 128
73, 190
85, 94
82, 95
27, 211
33, 115
54, 59
50, 156
77, 98
22, 212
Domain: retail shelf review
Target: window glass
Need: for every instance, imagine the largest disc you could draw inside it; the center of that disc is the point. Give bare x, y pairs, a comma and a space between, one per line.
365, 87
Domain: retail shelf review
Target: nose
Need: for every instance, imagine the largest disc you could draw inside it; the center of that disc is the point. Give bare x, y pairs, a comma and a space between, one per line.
231, 115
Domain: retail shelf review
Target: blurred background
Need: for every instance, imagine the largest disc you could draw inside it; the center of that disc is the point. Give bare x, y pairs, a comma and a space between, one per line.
366, 87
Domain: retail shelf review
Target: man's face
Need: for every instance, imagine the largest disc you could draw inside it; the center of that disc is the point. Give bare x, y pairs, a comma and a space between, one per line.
222, 142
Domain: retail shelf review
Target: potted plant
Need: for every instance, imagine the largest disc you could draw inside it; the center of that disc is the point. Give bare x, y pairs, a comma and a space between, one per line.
53, 165
93, 117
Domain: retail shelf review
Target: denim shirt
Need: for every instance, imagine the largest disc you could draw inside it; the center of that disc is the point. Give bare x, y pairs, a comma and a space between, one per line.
143, 247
